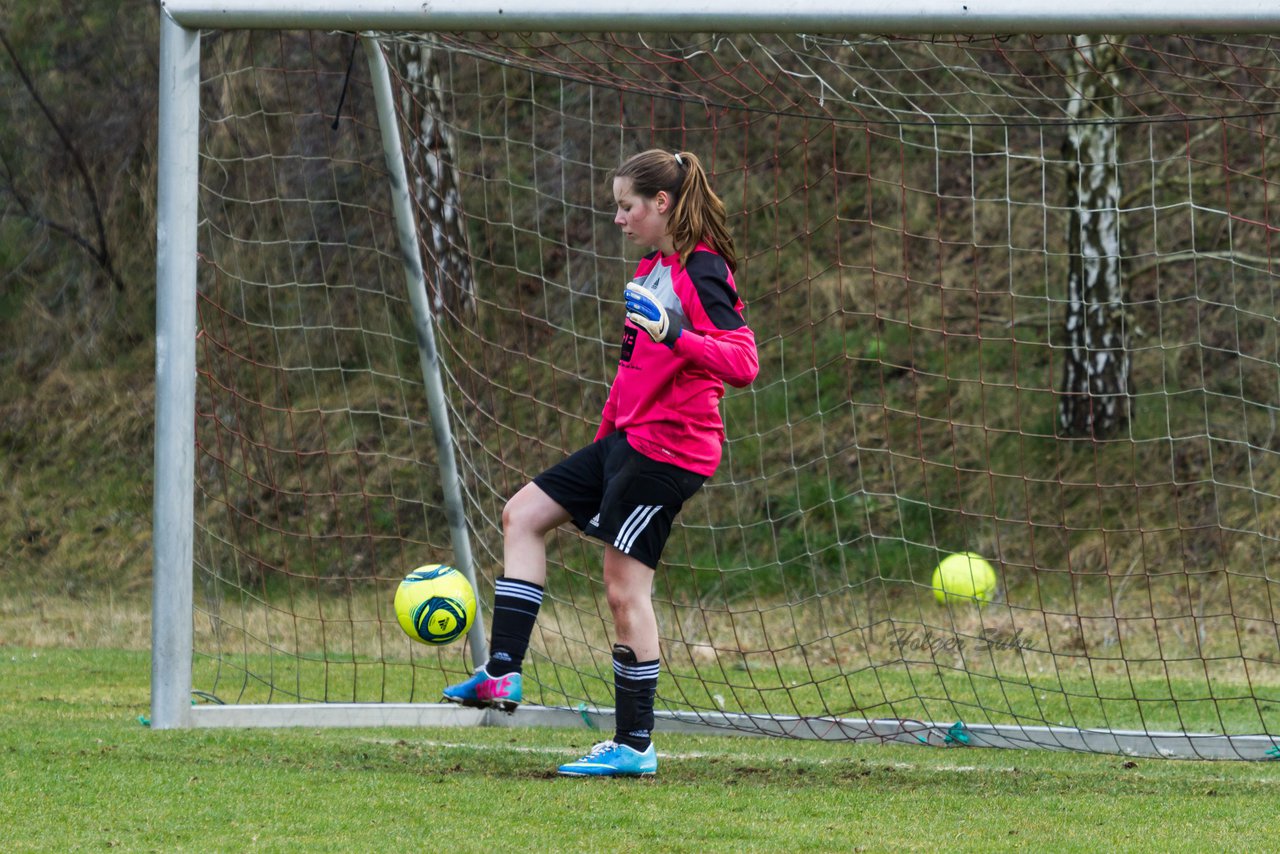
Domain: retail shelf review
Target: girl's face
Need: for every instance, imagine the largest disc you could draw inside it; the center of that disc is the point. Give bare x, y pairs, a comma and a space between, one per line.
642, 220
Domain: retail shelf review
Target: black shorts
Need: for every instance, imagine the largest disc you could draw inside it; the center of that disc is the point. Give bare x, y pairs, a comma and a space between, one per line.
616, 494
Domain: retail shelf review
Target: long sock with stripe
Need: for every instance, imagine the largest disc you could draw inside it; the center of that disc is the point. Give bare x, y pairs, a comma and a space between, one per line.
515, 610
635, 685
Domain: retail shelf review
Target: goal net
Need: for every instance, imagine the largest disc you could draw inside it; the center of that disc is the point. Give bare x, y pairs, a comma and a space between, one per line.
1014, 296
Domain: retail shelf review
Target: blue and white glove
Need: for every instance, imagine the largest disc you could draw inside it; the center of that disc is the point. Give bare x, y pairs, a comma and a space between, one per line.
644, 310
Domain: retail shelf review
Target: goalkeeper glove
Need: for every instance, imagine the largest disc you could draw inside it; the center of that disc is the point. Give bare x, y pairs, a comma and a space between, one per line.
644, 310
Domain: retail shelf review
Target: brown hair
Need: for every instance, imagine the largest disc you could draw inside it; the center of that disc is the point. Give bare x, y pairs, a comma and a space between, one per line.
697, 213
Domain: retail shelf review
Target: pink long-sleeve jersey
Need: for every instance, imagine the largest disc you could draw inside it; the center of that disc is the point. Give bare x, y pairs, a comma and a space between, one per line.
667, 399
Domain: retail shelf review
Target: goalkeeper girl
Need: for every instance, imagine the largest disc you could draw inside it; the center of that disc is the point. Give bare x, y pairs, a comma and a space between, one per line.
660, 438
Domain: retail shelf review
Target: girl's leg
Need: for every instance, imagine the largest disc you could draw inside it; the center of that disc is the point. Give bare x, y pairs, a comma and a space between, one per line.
628, 586
529, 516
526, 520
629, 590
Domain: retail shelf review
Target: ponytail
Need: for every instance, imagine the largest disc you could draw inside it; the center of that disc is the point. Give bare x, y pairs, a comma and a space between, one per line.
698, 215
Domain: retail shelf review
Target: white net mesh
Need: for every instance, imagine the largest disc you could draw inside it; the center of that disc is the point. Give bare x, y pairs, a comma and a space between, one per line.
910, 236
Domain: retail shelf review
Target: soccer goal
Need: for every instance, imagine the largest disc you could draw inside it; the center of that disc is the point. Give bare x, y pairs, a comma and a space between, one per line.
1015, 295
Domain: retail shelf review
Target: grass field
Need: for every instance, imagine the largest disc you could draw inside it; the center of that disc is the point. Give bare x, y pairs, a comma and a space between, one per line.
81, 772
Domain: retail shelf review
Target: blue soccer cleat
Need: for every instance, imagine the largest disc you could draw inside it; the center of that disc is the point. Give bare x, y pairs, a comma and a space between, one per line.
609, 759
483, 691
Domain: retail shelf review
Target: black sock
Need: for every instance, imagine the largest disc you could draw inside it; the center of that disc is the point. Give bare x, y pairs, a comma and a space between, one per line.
515, 610
636, 686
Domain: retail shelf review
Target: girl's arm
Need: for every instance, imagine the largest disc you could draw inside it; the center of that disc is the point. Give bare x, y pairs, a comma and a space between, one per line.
729, 355
723, 345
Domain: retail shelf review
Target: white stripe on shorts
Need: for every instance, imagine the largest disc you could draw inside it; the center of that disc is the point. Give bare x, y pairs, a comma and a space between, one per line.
636, 522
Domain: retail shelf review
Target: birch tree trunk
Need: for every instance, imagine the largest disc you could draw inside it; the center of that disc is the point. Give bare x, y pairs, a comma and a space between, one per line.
434, 174
1095, 399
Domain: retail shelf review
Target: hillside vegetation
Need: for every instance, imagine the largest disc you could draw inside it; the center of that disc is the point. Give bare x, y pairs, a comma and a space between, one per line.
77, 260
856, 331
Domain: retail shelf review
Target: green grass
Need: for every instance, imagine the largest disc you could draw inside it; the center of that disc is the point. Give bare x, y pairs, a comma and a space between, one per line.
80, 772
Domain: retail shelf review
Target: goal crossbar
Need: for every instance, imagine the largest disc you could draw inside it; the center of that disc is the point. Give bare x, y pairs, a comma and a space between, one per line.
811, 16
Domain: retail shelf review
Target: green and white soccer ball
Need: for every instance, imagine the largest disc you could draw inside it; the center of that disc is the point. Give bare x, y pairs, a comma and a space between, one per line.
435, 604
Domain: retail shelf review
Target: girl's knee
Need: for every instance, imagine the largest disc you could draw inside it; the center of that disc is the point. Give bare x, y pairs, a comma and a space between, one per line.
621, 602
531, 511
511, 514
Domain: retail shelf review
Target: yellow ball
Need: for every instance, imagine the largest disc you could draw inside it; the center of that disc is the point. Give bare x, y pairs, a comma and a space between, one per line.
435, 604
964, 577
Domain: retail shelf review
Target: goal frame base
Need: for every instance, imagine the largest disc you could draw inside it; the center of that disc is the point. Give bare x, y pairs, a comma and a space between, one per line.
1163, 745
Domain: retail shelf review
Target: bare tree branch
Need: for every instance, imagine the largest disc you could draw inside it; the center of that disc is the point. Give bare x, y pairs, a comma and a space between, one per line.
100, 251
